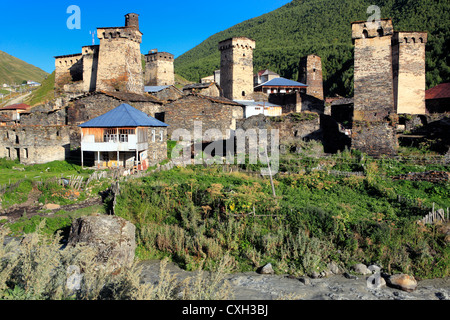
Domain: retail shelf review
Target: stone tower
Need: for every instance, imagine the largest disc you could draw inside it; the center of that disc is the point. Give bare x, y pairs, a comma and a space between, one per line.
119, 61
132, 20
374, 124
408, 53
159, 69
236, 68
310, 73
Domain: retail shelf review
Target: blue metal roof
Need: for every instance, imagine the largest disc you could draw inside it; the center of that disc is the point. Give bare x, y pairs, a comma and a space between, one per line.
282, 82
123, 116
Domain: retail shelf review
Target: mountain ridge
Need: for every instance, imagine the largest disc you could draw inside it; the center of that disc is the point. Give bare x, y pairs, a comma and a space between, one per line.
14, 70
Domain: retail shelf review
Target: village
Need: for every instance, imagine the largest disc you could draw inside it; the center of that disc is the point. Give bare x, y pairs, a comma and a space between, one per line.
311, 231
112, 112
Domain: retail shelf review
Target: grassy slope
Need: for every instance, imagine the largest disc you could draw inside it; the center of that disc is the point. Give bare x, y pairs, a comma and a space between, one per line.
14, 70
323, 27
44, 93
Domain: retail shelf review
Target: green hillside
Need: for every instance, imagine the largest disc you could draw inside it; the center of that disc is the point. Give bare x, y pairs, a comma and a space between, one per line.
44, 93
323, 27
14, 70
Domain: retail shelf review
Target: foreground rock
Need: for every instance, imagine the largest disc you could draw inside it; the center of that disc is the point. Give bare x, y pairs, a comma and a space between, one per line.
112, 237
254, 286
403, 282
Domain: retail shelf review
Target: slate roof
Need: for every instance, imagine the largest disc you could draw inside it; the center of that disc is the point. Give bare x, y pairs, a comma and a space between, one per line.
252, 103
441, 91
282, 82
122, 96
153, 89
123, 116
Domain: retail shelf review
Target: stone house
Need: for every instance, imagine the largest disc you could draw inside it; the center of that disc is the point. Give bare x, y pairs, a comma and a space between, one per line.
438, 98
34, 144
92, 105
124, 137
212, 112
13, 112
281, 85
164, 93
253, 108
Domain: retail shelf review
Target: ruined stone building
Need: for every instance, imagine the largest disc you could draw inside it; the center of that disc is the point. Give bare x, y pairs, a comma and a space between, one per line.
236, 68
34, 144
159, 69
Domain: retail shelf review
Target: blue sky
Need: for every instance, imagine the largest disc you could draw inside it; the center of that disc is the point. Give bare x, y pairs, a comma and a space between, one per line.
36, 31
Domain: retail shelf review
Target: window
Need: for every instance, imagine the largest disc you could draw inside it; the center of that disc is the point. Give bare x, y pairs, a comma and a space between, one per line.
110, 135
365, 34
380, 32
243, 93
153, 135
25, 151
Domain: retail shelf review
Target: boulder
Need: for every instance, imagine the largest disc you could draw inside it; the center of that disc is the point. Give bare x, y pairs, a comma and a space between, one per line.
334, 268
361, 269
111, 236
376, 281
403, 282
267, 269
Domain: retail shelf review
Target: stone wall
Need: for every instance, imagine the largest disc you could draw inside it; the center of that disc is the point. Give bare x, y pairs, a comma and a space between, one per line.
310, 73
373, 132
87, 107
214, 113
409, 72
236, 68
375, 138
34, 144
68, 68
159, 69
119, 62
297, 102
157, 147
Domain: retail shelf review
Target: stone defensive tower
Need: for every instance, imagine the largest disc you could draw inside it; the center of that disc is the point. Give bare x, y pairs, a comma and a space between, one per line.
159, 69
374, 124
236, 68
132, 20
408, 53
119, 61
310, 73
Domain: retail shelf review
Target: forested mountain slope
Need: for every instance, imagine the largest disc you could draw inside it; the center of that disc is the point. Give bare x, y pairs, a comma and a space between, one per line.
323, 27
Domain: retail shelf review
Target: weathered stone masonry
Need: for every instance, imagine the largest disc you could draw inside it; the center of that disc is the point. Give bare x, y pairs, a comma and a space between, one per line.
34, 144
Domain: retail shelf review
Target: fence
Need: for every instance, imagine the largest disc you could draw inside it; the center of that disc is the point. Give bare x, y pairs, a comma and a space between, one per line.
435, 216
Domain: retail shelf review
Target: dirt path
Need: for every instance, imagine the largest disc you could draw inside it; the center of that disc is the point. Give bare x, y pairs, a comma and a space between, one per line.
32, 208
